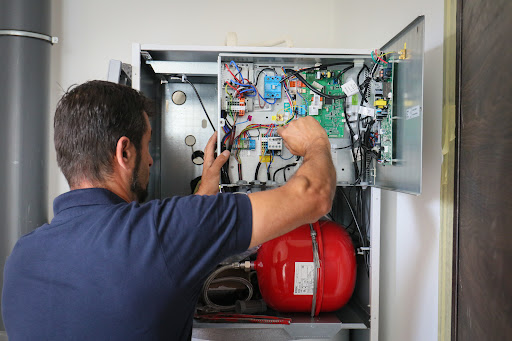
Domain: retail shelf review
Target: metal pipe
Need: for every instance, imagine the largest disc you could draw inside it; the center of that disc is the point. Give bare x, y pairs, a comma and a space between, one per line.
24, 105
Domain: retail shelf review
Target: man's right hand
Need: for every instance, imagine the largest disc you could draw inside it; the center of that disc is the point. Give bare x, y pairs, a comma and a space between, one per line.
308, 195
303, 133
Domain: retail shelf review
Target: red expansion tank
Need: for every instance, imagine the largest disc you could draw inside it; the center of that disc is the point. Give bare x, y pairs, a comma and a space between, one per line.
285, 269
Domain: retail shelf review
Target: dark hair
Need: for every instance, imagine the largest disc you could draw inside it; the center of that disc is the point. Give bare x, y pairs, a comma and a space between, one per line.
89, 120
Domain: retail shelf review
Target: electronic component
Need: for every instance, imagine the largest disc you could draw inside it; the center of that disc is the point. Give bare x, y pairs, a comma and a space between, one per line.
272, 87
380, 103
271, 145
292, 87
377, 88
350, 88
384, 114
316, 104
317, 85
327, 111
247, 144
275, 143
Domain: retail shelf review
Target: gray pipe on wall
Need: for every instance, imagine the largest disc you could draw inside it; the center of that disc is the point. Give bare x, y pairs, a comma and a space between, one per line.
24, 105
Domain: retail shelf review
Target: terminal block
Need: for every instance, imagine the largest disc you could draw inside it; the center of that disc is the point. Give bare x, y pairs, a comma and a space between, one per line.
247, 144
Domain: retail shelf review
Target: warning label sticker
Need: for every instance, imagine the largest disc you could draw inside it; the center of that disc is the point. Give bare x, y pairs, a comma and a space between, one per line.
413, 112
304, 278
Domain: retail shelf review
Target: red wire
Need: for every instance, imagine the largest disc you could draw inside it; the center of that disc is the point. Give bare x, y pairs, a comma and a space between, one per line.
227, 67
232, 87
379, 58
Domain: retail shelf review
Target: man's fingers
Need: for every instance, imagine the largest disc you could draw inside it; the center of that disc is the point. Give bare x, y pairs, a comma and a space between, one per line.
220, 161
280, 130
289, 148
209, 151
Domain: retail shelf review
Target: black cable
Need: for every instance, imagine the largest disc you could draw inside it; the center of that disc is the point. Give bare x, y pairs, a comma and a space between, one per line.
356, 168
201, 101
359, 149
283, 169
344, 147
343, 71
224, 171
319, 67
313, 89
259, 73
361, 238
363, 89
257, 170
366, 82
359, 75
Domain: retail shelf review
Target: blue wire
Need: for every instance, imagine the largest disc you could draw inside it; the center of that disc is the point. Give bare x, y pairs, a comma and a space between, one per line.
275, 100
291, 157
252, 86
224, 138
242, 122
245, 90
271, 159
302, 97
240, 72
240, 84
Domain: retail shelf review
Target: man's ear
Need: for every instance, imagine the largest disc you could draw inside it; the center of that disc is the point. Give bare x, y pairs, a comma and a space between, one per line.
125, 153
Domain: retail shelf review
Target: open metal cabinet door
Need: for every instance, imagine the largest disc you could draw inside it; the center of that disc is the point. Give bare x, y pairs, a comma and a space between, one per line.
119, 72
404, 175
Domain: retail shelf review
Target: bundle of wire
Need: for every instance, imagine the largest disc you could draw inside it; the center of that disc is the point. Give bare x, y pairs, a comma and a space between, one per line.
243, 86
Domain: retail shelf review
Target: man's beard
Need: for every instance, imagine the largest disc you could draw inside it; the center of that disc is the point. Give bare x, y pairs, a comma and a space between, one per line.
140, 192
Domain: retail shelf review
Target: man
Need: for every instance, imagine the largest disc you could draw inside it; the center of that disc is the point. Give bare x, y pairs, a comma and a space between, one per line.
107, 267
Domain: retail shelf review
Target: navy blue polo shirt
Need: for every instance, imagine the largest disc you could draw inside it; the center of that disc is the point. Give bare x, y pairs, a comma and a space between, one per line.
108, 269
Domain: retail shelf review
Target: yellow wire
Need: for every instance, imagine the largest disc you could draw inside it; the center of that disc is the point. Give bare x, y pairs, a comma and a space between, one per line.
226, 88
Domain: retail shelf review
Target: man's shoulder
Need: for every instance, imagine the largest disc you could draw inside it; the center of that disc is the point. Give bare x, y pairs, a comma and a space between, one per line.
199, 203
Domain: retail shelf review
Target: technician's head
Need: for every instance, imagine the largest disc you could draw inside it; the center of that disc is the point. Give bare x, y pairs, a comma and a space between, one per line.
102, 136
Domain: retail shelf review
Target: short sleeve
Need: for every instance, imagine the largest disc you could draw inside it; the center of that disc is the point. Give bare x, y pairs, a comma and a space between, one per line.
197, 232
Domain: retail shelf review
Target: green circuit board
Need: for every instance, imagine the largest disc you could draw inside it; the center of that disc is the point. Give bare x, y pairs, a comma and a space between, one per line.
330, 115
387, 123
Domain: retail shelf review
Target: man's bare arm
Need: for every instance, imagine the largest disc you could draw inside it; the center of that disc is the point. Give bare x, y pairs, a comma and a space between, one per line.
309, 193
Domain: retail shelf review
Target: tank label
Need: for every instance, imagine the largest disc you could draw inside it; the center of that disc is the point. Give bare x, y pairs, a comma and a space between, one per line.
304, 277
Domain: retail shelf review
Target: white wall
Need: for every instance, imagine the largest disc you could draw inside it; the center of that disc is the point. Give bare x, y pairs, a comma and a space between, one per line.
95, 31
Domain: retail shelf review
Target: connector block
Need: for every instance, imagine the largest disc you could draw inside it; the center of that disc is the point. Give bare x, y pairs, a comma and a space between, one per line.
247, 144
275, 143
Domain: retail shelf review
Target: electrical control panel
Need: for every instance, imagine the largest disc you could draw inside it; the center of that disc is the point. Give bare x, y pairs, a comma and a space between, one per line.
351, 98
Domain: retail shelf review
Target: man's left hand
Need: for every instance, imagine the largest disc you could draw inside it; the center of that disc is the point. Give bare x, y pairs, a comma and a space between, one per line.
211, 168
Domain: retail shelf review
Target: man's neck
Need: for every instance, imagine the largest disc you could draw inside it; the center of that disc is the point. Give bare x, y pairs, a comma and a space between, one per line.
113, 186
